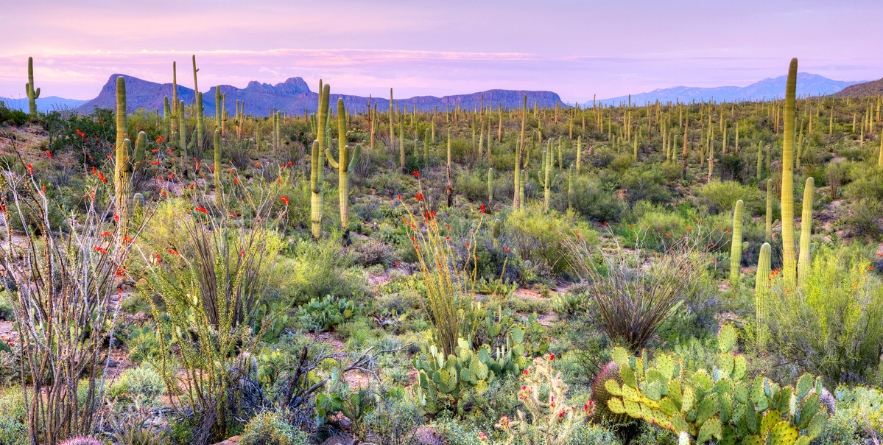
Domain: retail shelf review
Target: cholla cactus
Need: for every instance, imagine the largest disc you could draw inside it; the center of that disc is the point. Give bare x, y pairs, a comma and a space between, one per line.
551, 419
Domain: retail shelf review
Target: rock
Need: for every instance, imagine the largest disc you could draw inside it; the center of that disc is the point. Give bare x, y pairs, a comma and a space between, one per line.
231, 441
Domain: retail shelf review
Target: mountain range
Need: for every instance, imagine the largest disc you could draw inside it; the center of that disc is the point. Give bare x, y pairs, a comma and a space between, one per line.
294, 97
44, 104
807, 84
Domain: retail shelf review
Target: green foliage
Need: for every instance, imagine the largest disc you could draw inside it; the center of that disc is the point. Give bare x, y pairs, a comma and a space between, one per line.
328, 313
719, 196
537, 236
143, 385
833, 324
722, 404
272, 428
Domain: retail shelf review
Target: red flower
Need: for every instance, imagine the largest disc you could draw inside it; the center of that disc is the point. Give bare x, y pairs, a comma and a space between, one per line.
160, 140
419, 196
551, 356
104, 234
242, 253
101, 249
416, 174
399, 196
201, 209
236, 180
172, 251
116, 218
120, 272
157, 258
82, 135
49, 154
284, 199
128, 239
154, 162
257, 164
30, 169
482, 207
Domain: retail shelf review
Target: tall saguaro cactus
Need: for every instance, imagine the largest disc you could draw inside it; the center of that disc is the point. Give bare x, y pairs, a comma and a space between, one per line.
548, 163
769, 210
519, 153
125, 164
316, 160
200, 123
33, 94
736, 244
789, 261
345, 165
761, 294
219, 188
803, 261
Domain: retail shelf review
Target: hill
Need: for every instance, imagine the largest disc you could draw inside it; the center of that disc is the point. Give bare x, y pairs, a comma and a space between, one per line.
873, 88
294, 96
807, 84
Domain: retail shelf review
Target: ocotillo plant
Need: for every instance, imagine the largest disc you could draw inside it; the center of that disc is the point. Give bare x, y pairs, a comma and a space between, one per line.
789, 263
761, 294
32, 93
345, 166
803, 262
316, 186
736, 244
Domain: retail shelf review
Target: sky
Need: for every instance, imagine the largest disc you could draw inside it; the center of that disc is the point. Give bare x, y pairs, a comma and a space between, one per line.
576, 48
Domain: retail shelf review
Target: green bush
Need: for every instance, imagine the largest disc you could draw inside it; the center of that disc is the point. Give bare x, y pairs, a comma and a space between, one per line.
833, 323
721, 196
13, 429
538, 236
591, 199
272, 428
142, 384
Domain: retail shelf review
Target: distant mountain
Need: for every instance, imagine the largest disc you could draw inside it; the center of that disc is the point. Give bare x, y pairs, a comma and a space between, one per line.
294, 96
765, 89
44, 104
874, 88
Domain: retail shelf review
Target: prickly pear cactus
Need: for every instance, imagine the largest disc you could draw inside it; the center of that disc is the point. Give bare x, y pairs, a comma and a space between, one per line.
721, 404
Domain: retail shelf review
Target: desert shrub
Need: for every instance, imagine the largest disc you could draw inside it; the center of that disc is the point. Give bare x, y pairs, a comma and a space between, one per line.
142, 384
634, 291
370, 251
721, 196
13, 412
863, 219
12, 116
537, 236
593, 201
271, 428
587, 433
646, 184
317, 269
832, 324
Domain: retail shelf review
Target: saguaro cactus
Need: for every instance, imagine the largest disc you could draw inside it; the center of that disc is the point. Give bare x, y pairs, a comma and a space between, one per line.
548, 163
121, 118
805, 230
316, 158
518, 193
736, 244
490, 185
769, 210
33, 94
219, 188
579, 152
182, 126
789, 263
345, 166
167, 118
199, 108
761, 294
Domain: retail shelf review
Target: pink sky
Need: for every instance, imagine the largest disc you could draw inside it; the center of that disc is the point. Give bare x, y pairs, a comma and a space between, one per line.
575, 48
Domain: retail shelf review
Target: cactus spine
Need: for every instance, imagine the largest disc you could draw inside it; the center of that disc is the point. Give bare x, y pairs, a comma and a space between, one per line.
761, 295
316, 161
345, 166
789, 263
736, 244
803, 261
518, 195
33, 94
